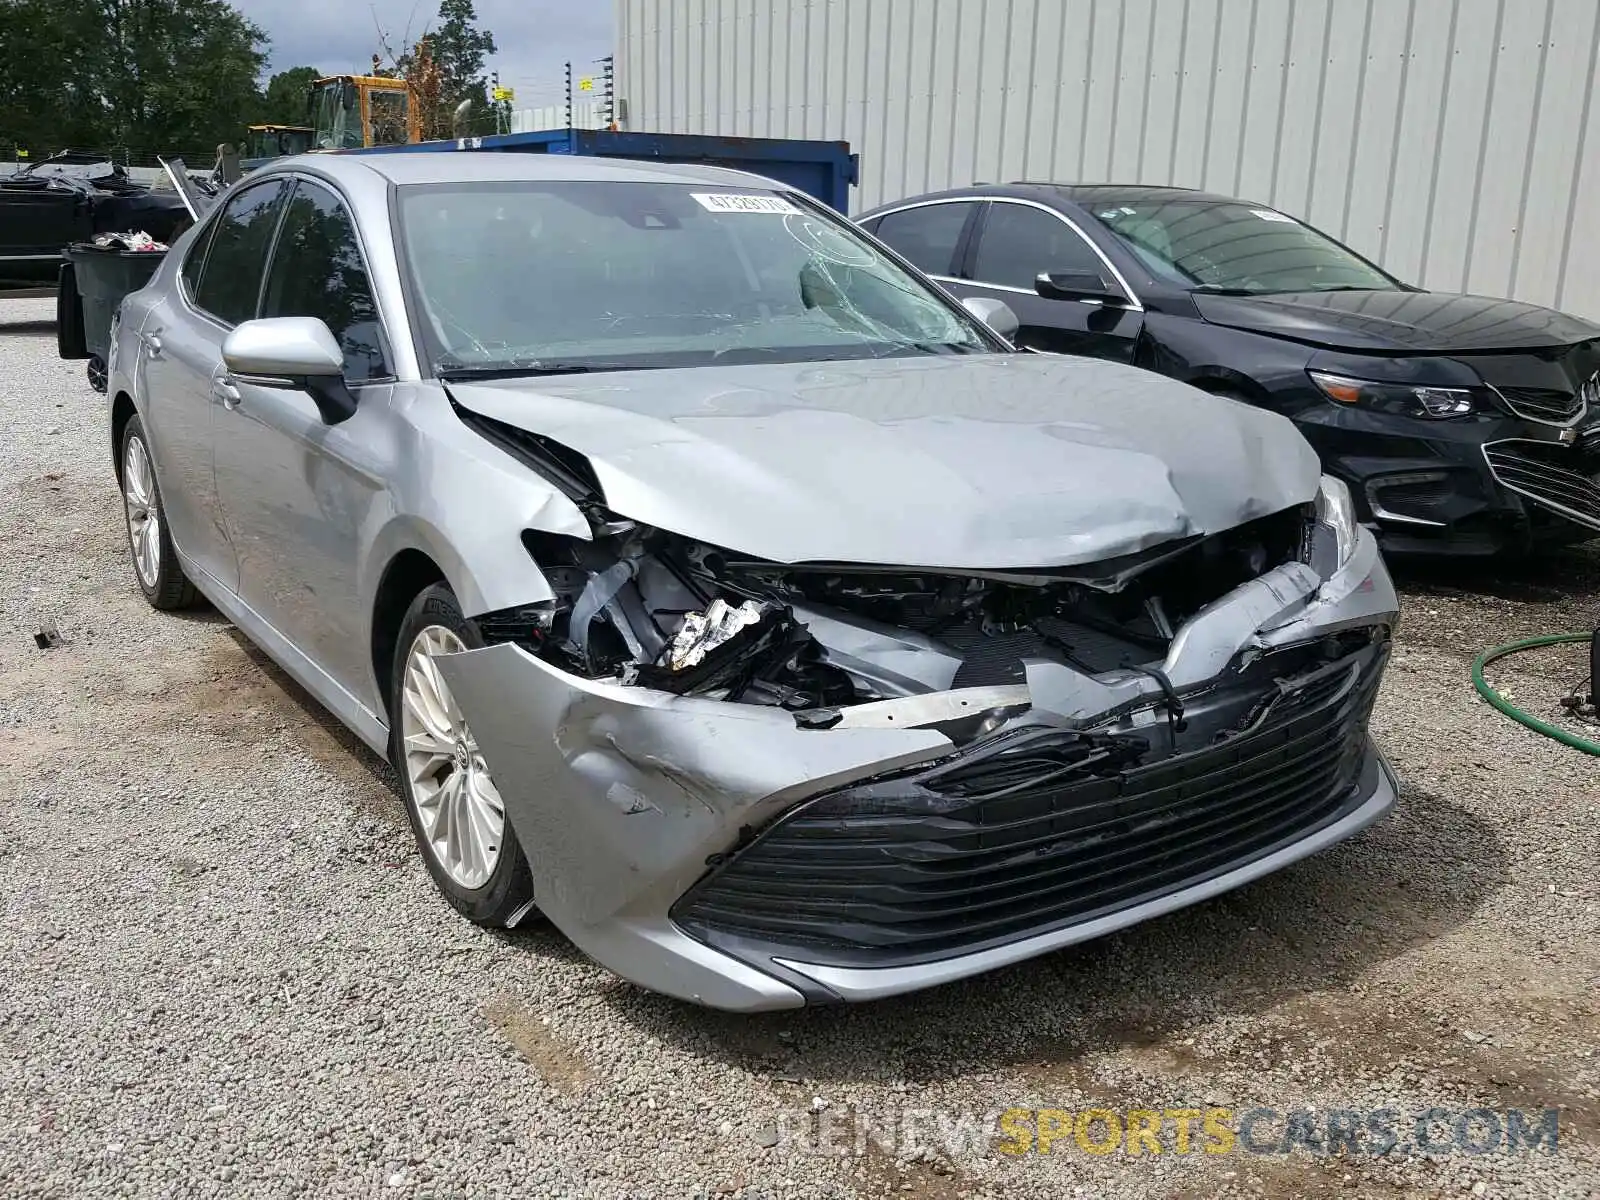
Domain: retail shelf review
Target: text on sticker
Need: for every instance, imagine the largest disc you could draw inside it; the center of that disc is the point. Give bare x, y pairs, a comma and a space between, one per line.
730, 203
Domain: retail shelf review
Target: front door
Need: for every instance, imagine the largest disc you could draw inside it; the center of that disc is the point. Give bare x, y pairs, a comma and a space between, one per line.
180, 356
296, 491
1015, 244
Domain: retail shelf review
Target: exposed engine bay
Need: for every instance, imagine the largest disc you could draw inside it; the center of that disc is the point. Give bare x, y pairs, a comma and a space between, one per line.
653, 609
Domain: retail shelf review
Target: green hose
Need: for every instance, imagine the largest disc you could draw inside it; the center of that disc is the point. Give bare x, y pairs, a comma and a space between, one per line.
1563, 736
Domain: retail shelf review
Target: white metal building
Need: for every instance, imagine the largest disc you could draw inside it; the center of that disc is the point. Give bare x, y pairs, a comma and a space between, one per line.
1454, 141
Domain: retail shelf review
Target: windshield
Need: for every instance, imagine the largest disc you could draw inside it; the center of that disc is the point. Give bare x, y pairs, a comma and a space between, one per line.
1230, 246
628, 275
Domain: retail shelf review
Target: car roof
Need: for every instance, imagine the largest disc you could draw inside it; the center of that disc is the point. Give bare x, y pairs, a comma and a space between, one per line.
483, 166
1086, 195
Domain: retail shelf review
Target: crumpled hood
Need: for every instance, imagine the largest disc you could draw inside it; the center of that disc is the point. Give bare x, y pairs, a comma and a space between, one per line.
963, 462
1396, 322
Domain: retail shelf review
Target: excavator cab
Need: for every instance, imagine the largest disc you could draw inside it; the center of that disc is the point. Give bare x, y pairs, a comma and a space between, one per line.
276, 141
350, 112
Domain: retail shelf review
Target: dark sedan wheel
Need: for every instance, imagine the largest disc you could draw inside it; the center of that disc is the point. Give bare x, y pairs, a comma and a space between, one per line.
455, 808
155, 562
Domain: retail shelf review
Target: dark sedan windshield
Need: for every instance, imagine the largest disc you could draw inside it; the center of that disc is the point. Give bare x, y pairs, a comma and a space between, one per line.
1234, 247
592, 276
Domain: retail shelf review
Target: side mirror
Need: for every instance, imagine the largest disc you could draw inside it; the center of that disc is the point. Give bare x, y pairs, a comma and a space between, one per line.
297, 353
996, 314
1077, 285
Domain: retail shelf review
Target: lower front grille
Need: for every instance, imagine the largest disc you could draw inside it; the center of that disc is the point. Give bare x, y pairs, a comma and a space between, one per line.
1547, 405
986, 848
1525, 468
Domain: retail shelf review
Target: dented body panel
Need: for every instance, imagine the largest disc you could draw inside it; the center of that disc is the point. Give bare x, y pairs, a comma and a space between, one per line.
624, 796
979, 461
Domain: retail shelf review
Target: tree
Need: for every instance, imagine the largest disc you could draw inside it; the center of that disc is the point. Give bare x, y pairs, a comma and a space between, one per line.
145, 76
461, 51
285, 101
445, 66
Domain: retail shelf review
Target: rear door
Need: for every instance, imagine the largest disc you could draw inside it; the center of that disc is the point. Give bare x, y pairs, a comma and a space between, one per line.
295, 490
1016, 241
180, 348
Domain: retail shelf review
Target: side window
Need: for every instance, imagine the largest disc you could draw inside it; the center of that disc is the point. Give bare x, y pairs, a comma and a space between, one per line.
927, 235
231, 279
317, 271
196, 260
1019, 243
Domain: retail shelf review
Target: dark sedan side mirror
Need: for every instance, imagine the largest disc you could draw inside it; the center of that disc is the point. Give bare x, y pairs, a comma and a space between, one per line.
1077, 285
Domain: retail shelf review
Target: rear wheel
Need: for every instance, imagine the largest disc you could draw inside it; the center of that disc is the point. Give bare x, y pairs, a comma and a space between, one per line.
96, 369
454, 806
155, 562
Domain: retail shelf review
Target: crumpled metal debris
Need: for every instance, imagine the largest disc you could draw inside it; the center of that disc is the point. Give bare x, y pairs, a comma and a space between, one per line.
139, 241
703, 632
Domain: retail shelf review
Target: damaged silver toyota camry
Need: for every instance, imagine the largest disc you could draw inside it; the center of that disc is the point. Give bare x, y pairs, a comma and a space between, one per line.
726, 593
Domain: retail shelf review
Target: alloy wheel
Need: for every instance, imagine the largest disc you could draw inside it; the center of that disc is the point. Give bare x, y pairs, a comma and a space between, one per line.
459, 808
144, 511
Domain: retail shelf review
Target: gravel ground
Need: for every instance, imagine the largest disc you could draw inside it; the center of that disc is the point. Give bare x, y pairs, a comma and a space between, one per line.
226, 972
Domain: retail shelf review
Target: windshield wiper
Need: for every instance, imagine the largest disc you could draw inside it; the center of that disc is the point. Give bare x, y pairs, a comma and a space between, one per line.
1217, 289
460, 373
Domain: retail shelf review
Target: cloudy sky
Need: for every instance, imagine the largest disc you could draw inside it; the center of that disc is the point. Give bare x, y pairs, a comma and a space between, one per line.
535, 37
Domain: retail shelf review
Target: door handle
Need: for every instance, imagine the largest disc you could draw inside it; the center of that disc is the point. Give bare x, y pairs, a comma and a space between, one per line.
223, 389
152, 343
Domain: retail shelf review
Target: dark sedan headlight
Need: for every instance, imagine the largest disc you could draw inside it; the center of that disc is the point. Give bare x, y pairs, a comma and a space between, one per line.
1402, 399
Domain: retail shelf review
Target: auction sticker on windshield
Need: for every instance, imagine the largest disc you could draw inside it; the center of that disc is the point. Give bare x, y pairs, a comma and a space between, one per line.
716, 202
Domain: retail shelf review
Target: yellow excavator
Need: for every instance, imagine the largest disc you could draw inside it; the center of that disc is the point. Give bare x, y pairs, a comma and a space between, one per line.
349, 112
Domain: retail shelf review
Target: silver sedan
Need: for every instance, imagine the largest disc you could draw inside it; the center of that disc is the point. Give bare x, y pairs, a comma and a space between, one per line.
727, 594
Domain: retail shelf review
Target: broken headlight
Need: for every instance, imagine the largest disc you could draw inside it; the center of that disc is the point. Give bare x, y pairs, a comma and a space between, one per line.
1337, 510
1401, 399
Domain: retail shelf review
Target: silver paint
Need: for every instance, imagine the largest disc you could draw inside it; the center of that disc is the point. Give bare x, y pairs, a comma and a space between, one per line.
619, 793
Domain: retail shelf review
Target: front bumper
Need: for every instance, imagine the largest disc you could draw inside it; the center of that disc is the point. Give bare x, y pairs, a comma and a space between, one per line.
1499, 484
627, 800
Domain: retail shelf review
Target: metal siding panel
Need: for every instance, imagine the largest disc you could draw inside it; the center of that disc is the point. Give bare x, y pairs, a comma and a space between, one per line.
1100, 105
995, 91
697, 76
907, 43
1042, 104
1137, 19
1553, 161
947, 80
1406, 224
1578, 282
1342, 58
1011, 120
1222, 144
881, 60
1170, 25
1454, 159
1374, 141
1197, 88
1258, 141
821, 61
726, 111
1300, 121
954, 163
1499, 192
1075, 51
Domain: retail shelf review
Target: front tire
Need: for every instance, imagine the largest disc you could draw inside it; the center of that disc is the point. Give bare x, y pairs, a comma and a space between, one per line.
454, 807
155, 561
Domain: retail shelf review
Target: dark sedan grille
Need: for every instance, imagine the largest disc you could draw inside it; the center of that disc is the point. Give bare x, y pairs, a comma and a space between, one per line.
1543, 404
948, 862
1575, 496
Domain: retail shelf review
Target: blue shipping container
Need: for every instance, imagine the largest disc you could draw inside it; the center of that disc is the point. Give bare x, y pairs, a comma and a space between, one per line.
824, 170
